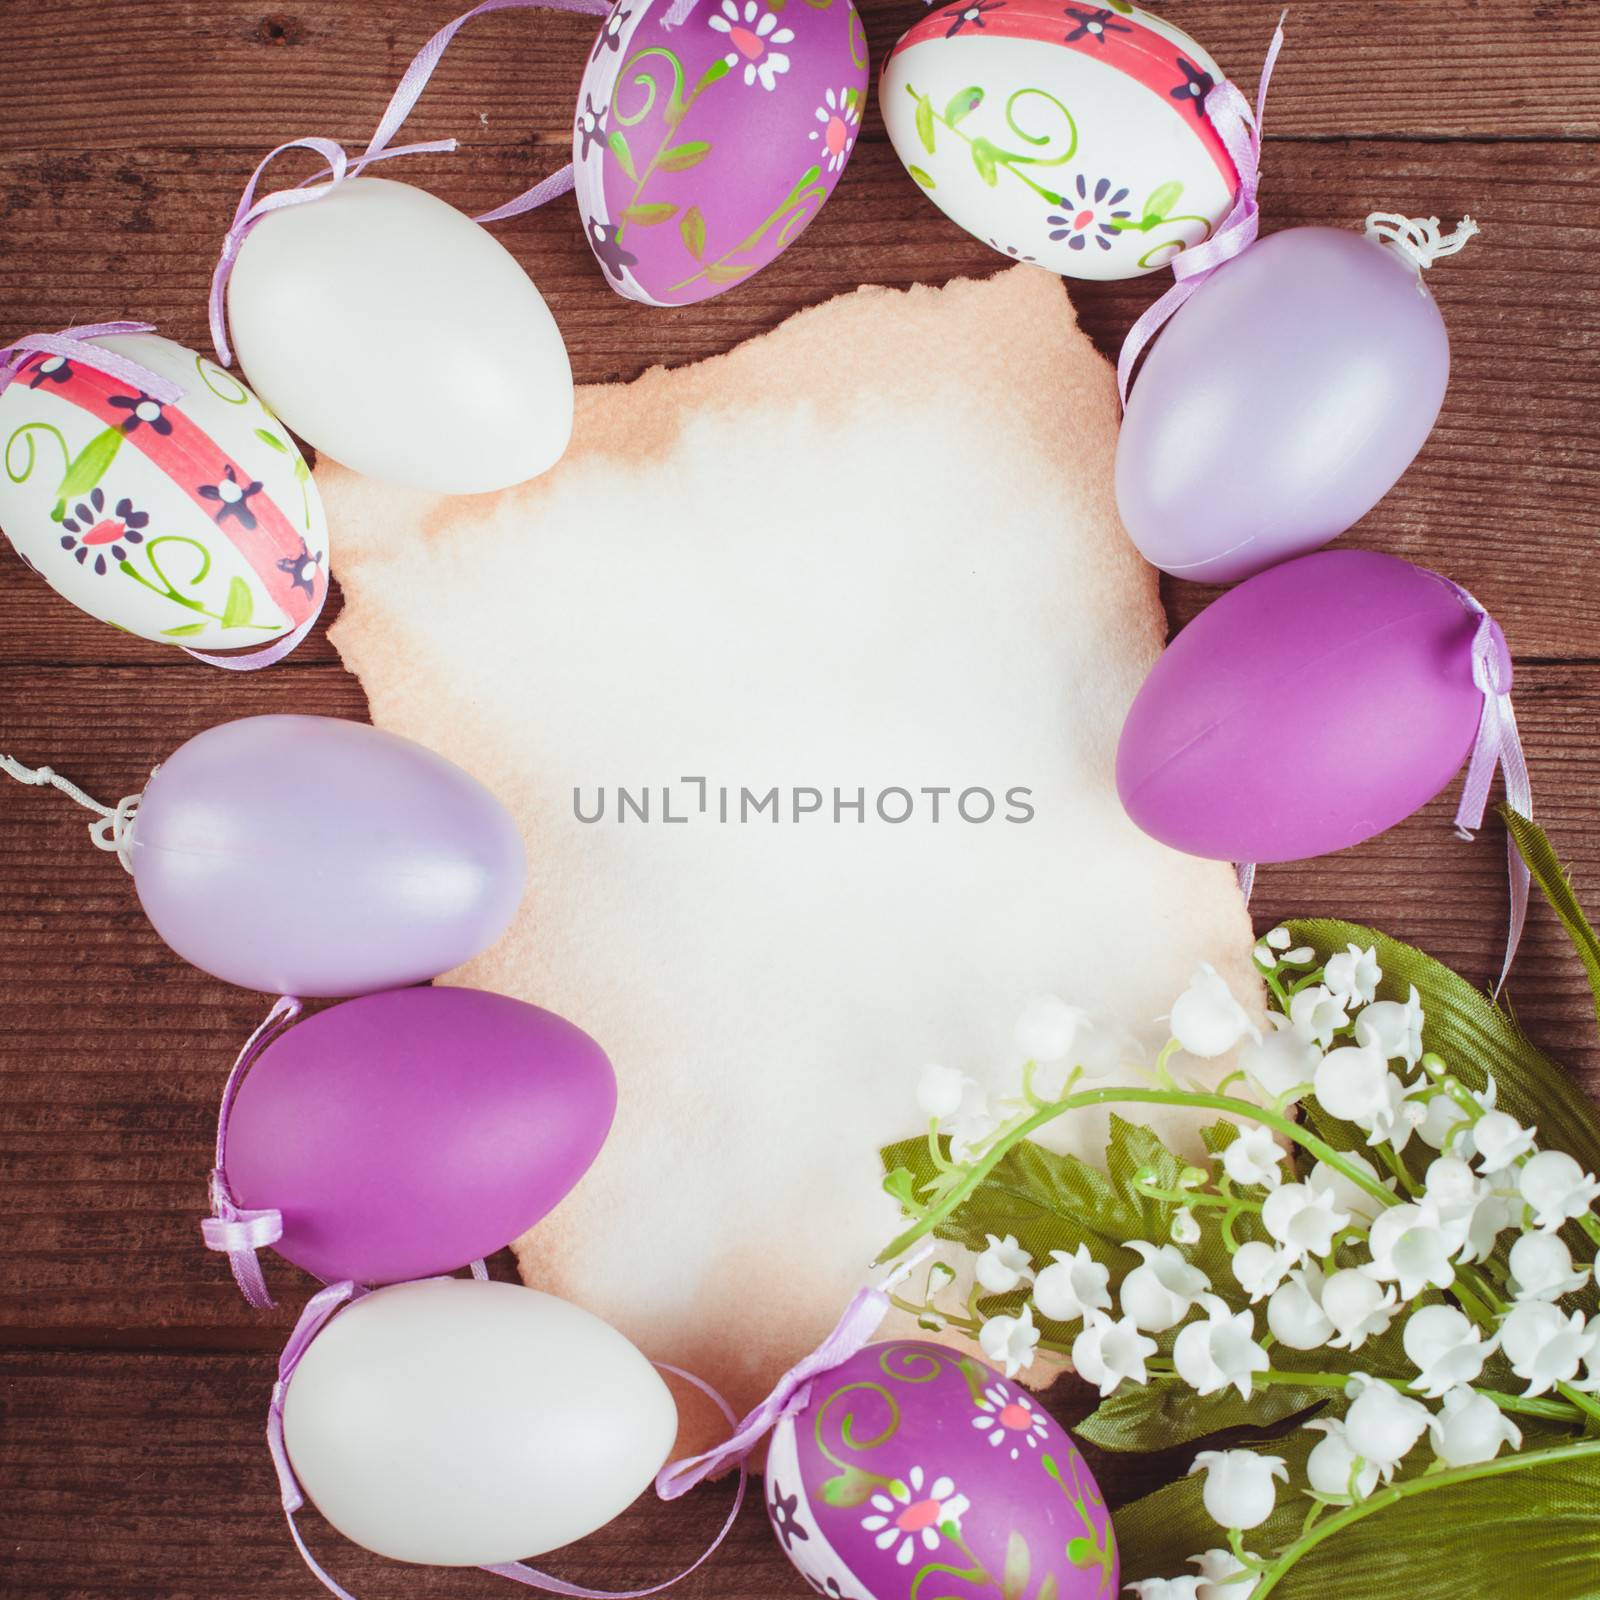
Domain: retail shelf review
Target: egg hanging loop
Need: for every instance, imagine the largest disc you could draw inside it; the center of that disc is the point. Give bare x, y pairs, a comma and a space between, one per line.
1418, 239
112, 833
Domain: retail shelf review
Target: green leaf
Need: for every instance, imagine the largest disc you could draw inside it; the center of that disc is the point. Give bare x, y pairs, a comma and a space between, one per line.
717, 70
901, 1185
1167, 1412
91, 465
727, 271
692, 227
1014, 1581
1540, 856
921, 177
1161, 201
272, 441
925, 122
239, 608
184, 630
647, 216
852, 1487
962, 104
617, 142
984, 159
683, 156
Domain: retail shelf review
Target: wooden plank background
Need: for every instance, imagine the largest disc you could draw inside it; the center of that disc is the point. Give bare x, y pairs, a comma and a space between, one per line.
132, 1379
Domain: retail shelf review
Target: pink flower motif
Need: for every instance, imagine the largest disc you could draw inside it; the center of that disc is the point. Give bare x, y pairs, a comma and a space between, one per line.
912, 1513
753, 31
1010, 1419
840, 119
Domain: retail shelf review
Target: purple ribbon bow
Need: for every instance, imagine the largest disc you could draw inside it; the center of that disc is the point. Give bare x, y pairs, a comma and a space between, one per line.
73, 344
340, 166
1240, 132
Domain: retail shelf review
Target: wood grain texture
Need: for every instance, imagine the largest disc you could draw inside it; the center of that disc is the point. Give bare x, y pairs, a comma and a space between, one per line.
131, 1394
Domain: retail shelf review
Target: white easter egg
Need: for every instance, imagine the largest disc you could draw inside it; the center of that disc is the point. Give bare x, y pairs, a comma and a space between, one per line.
1074, 136
397, 335
195, 522
459, 1423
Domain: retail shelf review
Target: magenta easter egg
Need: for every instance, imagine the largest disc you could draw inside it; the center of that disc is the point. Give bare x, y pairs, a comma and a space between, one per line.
409, 1133
912, 1465
703, 147
312, 856
1310, 708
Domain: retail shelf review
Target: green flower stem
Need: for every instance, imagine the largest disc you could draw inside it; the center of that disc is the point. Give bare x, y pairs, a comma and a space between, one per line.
1586, 1403
1584, 1450
980, 1169
797, 197
1009, 158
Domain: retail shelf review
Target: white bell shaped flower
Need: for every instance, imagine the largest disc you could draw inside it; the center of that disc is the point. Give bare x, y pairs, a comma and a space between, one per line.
1446, 1349
1283, 1061
1295, 1314
1107, 1353
1184, 1588
1220, 1575
1354, 1083
1317, 1014
1303, 1220
1258, 1268
1185, 1227
1382, 1424
1072, 1285
1541, 1268
1278, 939
1254, 1157
1544, 1346
1207, 1020
1239, 1491
1048, 1028
1010, 1342
1004, 1265
1469, 1428
1333, 1469
1348, 1195
1159, 1294
1354, 975
1358, 1306
1500, 1139
940, 1091
1470, 1203
1557, 1188
1393, 1029
973, 1123
1220, 1351
1442, 1122
1412, 1245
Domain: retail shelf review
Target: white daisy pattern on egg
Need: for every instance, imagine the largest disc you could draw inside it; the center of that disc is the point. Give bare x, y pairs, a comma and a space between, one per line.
911, 1513
839, 119
753, 31
1010, 1419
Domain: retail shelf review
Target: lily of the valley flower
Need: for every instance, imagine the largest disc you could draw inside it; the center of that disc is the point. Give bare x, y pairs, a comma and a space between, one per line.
1546, 1347
1355, 1083
1258, 1268
1332, 1468
1348, 1195
1499, 1140
1470, 1428
974, 1122
1185, 1227
1004, 1265
1072, 1285
1161, 1292
1393, 1029
940, 1091
1207, 1020
1442, 1121
1220, 1575
1010, 1342
1107, 1353
1358, 1306
1303, 1220
1047, 1029
1445, 1348
1317, 1014
1541, 1268
1412, 1245
1220, 1351
1184, 1588
1281, 1062
1557, 1188
1469, 1203
1353, 975
1295, 1314
1239, 1490
1254, 1157
1382, 1424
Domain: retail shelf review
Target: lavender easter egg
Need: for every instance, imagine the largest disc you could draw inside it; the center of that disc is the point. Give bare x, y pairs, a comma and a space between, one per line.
194, 522
1313, 706
1070, 135
409, 1133
703, 149
913, 1465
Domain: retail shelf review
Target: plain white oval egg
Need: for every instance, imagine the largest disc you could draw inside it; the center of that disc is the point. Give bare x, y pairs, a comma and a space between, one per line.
395, 334
459, 1423
1073, 136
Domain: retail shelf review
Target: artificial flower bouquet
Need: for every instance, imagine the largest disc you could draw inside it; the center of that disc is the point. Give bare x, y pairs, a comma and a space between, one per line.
1385, 1271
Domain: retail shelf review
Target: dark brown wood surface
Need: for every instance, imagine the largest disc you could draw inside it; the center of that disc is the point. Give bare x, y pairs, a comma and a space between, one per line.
132, 1379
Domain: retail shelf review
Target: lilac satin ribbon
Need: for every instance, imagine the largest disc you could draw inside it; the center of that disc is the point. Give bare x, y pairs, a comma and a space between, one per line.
1497, 746
73, 344
318, 1310
267, 654
1240, 133
231, 1229
340, 166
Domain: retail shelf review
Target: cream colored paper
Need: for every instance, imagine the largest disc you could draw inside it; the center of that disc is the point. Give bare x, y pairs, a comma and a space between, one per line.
876, 547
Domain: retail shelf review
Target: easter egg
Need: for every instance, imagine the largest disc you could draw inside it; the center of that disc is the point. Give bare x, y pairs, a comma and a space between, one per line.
312, 856
398, 336
702, 149
1280, 404
194, 522
409, 1133
1315, 705
458, 1423
1074, 136
914, 1470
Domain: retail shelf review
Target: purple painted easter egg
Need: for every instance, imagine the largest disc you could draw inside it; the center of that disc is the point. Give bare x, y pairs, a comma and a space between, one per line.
703, 147
912, 1460
409, 1133
1310, 708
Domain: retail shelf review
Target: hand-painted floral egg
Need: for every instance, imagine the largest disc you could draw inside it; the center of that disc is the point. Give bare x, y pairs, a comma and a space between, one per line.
1313, 706
194, 522
1070, 135
457, 1423
395, 334
914, 1469
313, 856
704, 146
411, 1132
